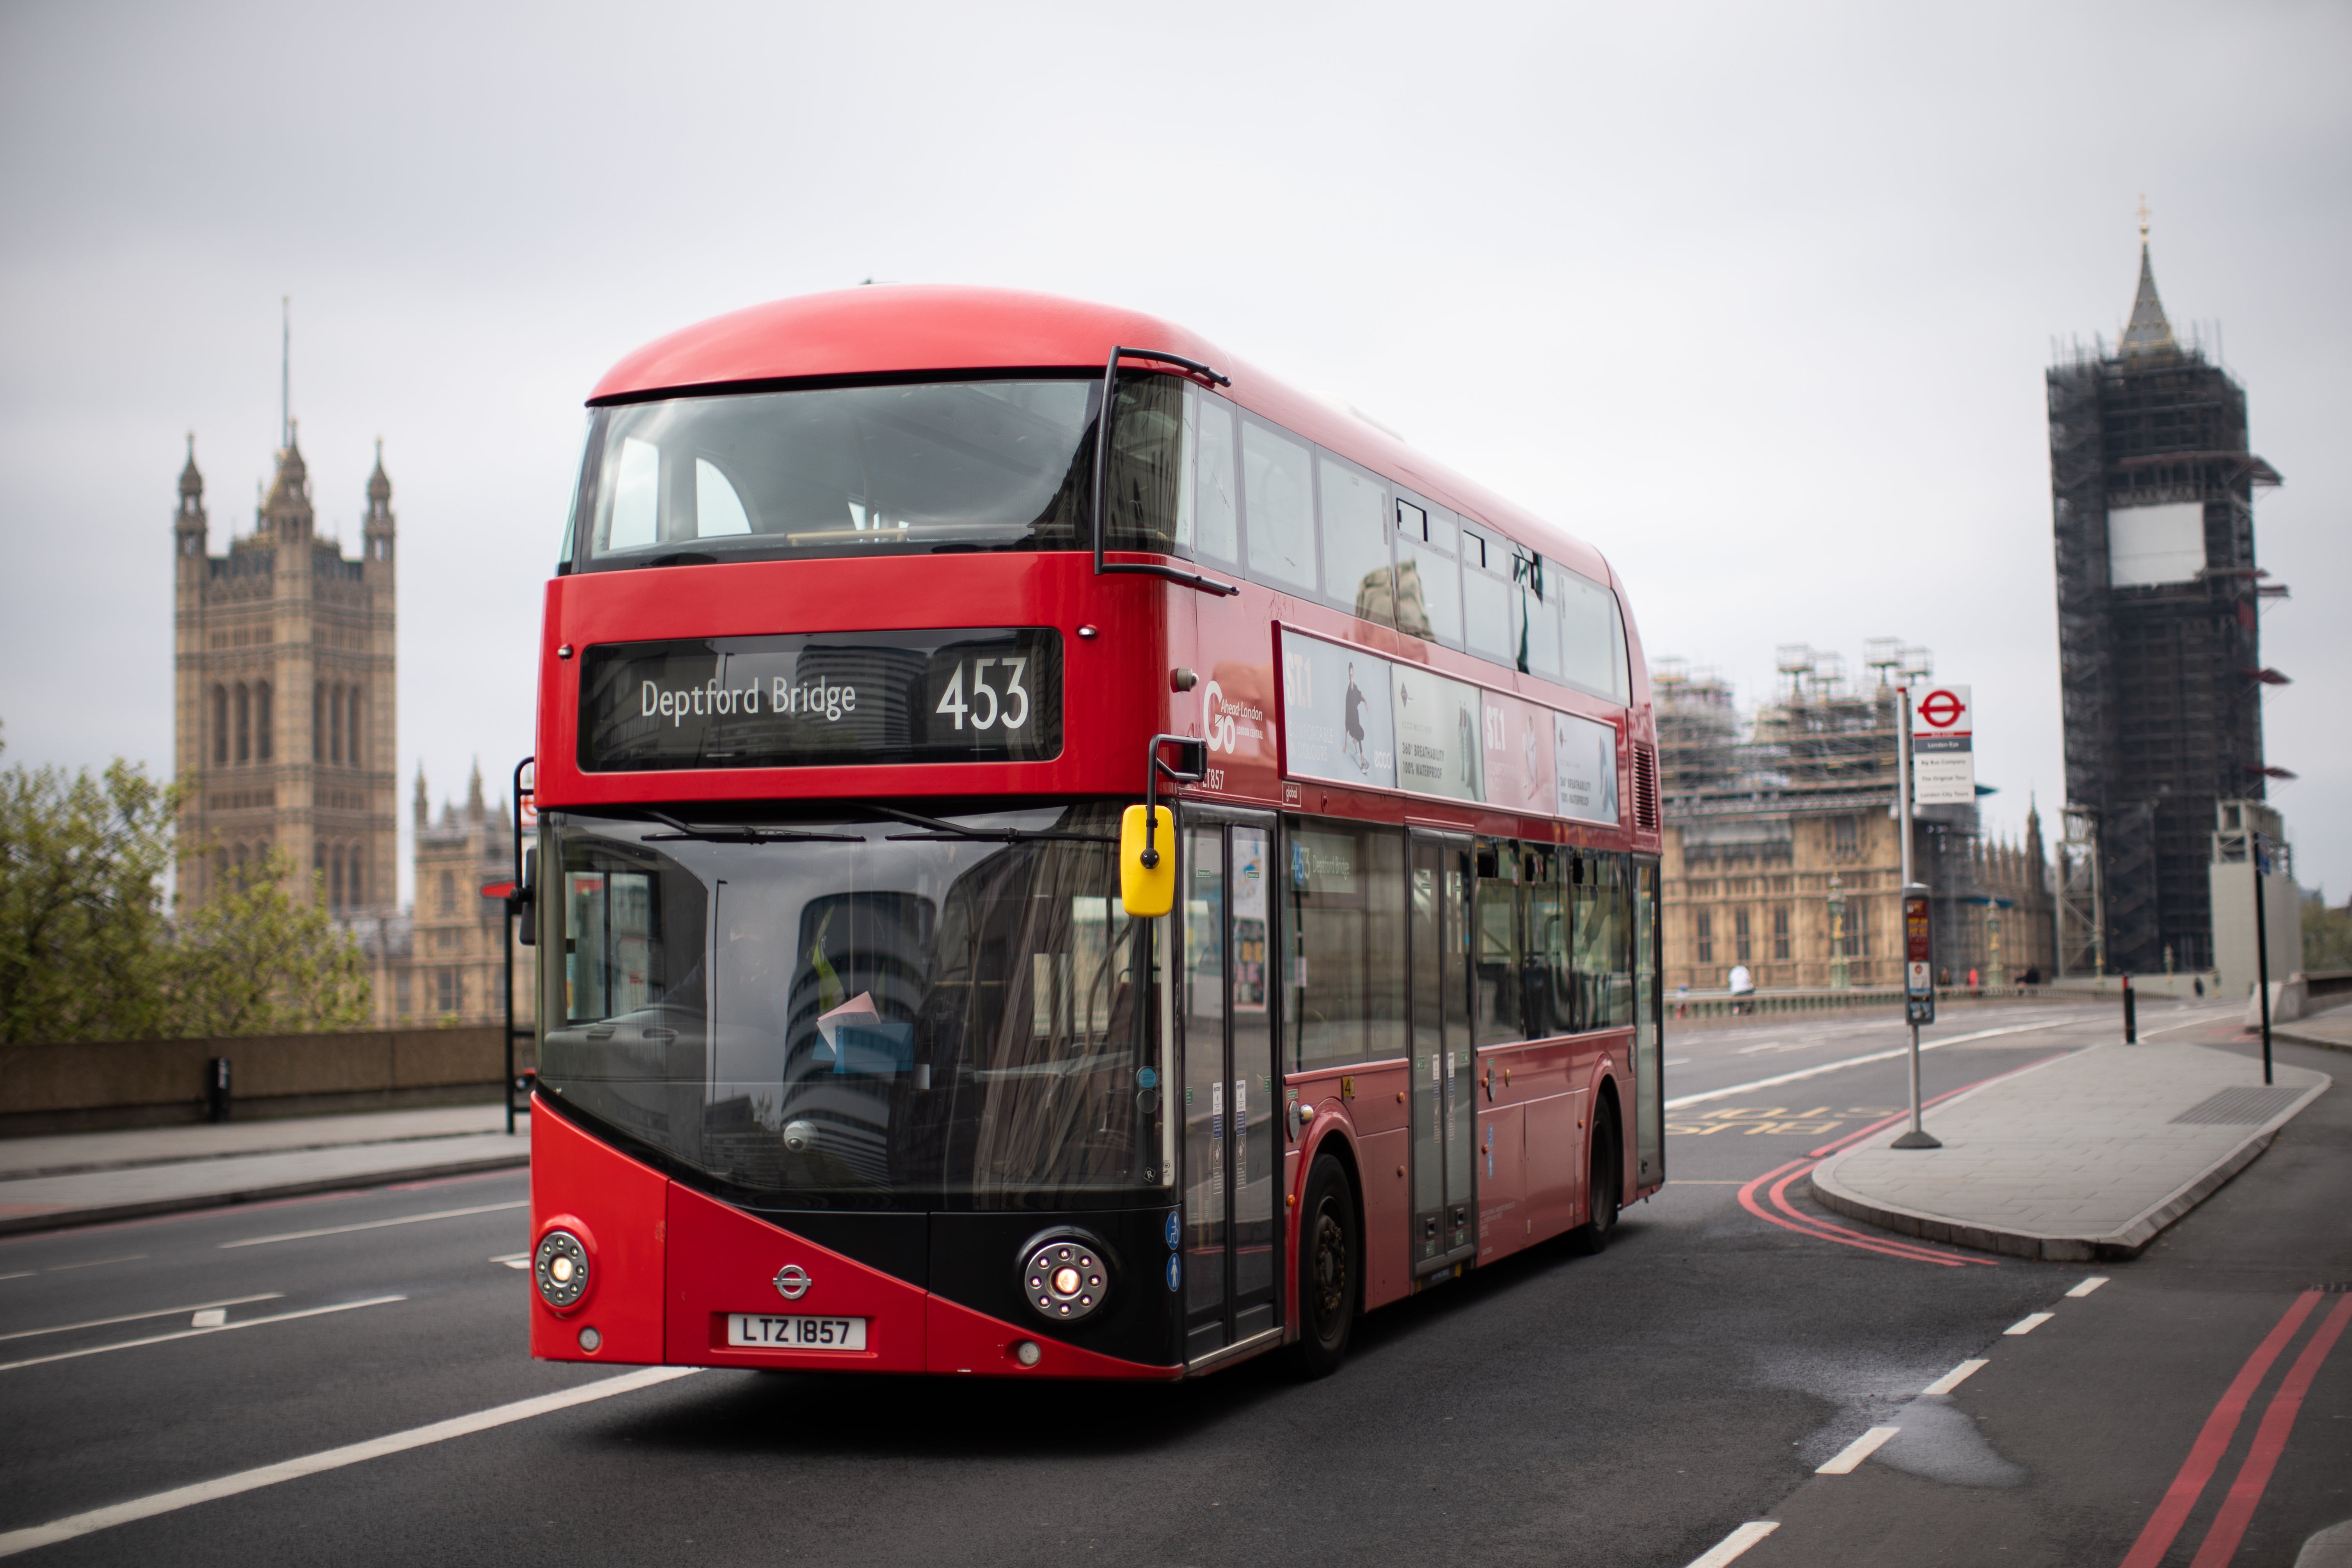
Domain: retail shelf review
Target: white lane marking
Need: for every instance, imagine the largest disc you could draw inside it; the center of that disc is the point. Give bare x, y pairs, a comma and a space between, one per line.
94, 1263
20, 1274
1670, 1061
2028, 1323
212, 1318
1954, 1378
1775, 1082
375, 1224
193, 1333
1855, 1452
1729, 1548
135, 1317
96, 1520
2087, 1286
514, 1259
1758, 1045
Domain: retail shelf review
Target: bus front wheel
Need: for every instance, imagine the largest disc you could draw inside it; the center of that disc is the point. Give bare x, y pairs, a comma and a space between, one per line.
1329, 1271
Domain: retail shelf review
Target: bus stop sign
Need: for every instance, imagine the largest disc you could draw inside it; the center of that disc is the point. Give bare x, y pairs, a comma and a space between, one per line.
1918, 962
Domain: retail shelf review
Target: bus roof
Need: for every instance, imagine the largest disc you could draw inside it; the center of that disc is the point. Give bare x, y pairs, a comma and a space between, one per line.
902, 329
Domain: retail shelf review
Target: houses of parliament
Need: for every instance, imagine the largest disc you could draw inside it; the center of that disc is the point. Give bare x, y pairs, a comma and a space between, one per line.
286, 719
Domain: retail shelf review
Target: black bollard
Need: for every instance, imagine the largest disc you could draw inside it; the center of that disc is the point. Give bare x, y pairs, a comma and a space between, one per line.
2131, 1013
217, 1099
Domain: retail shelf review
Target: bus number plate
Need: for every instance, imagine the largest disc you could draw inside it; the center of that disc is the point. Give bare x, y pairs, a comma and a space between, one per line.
761, 1330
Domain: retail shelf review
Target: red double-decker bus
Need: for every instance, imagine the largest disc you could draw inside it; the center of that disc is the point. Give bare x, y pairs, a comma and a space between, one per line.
1061, 856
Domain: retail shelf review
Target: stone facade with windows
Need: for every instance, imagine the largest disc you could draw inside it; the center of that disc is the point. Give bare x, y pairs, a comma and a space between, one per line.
1782, 853
284, 669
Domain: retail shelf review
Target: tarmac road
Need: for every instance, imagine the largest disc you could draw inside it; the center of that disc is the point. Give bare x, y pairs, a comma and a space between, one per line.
1633, 1408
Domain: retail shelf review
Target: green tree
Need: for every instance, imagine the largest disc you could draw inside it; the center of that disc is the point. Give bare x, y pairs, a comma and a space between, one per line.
84, 945
2326, 935
89, 951
251, 960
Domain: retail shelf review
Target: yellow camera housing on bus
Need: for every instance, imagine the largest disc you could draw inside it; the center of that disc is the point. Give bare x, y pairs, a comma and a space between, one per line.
1146, 891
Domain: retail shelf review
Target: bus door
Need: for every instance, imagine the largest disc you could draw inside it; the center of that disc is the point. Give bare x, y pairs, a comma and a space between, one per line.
1232, 1161
1442, 1106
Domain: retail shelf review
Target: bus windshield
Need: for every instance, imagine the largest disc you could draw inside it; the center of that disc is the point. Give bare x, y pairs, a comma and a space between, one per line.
858, 1014
919, 468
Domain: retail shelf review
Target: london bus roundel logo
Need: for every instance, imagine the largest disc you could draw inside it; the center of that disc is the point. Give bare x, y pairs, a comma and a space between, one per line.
1940, 709
791, 1281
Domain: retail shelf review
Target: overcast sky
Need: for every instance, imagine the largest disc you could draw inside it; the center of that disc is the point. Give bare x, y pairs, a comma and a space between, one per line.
1757, 301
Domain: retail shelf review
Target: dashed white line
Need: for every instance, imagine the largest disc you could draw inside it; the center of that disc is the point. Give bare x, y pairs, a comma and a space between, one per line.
1855, 1452
191, 1333
1729, 1548
135, 1317
96, 1520
2028, 1323
1954, 1378
375, 1224
2087, 1286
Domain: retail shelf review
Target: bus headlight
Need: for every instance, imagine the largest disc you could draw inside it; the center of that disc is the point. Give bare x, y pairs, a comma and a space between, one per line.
559, 1268
1064, 1279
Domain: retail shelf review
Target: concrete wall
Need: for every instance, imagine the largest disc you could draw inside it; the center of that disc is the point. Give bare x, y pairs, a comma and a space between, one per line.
2234, 926
133, 1083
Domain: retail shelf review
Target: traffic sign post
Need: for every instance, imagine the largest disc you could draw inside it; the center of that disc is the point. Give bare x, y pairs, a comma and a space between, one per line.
1918, 996
1918, 943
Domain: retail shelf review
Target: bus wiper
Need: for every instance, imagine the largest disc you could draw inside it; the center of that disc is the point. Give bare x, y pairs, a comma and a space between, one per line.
939, 828
743, 834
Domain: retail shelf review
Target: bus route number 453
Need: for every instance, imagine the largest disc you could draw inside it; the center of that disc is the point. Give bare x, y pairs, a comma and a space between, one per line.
986, 702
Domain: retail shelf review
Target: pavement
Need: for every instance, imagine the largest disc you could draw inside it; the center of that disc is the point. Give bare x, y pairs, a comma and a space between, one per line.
86, 1178
2088, 1155
2331, 1030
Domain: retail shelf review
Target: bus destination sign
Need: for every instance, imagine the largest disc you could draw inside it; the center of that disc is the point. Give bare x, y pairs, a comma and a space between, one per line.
820, 699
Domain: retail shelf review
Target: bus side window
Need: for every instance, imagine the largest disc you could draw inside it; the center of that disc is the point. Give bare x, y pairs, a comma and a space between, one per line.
1214, 514
1588, 657
1279, 502
1495, 943
1359, 575
1535, 616
1485, 600
1429, 580
1347, 896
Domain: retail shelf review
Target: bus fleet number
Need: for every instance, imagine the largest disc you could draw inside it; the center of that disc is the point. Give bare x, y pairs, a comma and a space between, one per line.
987, 705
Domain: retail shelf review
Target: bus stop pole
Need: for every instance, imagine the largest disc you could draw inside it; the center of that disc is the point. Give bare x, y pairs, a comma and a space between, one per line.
1918, 1136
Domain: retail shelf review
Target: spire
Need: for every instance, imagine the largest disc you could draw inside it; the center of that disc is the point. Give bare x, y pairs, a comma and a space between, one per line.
2148, 332
190, 524
424, 805
287, 512
378, 487
475, 808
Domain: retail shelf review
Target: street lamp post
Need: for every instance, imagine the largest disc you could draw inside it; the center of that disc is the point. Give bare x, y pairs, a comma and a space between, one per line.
1839, 975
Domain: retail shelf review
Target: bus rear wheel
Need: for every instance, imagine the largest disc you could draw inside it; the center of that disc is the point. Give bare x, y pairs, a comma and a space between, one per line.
1604, 1186
1329, 1271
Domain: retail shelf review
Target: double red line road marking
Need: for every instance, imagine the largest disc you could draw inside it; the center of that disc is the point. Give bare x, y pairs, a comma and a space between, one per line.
1785, 1215
2237, 1510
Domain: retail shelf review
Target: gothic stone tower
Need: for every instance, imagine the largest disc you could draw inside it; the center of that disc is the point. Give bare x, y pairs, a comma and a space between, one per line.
285, 711
2158, 641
